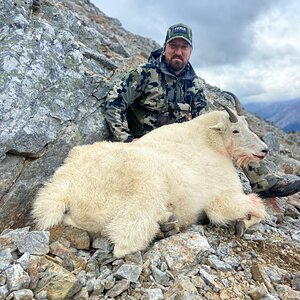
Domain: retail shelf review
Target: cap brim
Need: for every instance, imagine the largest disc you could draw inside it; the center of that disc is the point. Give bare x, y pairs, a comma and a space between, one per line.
179, 37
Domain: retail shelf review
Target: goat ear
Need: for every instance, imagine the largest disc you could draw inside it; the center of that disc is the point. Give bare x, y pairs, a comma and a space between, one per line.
220, 127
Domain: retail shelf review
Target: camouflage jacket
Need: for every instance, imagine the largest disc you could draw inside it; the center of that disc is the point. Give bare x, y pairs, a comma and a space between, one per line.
152, 95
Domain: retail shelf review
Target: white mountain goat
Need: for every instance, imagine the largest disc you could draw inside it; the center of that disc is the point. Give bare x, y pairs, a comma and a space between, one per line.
124, 190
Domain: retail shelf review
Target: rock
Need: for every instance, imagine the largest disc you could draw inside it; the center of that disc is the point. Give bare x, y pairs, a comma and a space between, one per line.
275, 274
7, 238
292, 211
261, 276
79, 238
259, 292
102, 244
272, 141
208, 279
42, 295
5, 259
296, 282
24, 260
17, 278
53, 88
24, 294
153, 294
180, 251
119, 288
217, 264
82, 295
134, 258
4, 292
183, 289
33, 242
160, 277
129, 272
285, 292
58, 282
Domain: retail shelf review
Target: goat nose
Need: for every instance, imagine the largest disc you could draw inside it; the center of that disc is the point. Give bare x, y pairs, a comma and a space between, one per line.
265, 150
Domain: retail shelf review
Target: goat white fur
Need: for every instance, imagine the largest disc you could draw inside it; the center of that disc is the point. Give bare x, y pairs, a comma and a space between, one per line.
125, 190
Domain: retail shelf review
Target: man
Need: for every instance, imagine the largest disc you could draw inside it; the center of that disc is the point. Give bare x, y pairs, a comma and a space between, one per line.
167, 90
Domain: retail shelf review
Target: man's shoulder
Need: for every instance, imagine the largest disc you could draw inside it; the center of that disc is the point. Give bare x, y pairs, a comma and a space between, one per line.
144, 68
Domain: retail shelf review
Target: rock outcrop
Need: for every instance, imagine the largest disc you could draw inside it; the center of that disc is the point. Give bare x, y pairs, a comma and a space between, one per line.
57, 61
57, 58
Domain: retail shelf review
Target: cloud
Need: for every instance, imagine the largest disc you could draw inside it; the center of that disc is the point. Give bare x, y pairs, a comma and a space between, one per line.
250, 47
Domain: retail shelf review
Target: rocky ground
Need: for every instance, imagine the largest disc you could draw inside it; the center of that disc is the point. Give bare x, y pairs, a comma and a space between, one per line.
202, 262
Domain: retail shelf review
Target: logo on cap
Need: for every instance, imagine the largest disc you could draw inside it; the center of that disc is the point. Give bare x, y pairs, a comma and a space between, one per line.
179, 31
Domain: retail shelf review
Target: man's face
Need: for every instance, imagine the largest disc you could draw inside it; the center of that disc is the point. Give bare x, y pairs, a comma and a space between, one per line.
177, 54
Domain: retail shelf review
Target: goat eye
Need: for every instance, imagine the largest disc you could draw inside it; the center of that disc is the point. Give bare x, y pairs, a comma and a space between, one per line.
235, 131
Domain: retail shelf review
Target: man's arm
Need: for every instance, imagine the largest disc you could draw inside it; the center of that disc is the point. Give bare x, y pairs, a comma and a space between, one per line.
199, 103
119, 99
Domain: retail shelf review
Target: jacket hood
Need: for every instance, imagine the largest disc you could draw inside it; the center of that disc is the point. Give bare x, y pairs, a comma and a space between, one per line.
157, 58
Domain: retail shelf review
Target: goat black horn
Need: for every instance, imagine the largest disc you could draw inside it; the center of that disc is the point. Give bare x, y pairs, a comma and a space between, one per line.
238, 105
232, 116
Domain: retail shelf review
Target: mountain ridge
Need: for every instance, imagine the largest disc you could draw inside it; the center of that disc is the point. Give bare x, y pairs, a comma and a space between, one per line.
284, 114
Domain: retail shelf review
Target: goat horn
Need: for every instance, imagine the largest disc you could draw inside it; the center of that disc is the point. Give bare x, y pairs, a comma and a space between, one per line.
232, 116
238, 105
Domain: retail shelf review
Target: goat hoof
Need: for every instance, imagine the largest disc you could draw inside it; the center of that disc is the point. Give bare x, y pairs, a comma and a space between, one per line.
238, 228
232, 228
168, 226
171, 232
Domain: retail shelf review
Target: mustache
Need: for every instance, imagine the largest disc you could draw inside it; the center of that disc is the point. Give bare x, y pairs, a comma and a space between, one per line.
177, 56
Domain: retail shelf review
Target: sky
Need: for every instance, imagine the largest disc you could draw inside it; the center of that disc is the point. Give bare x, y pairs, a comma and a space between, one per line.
248, 47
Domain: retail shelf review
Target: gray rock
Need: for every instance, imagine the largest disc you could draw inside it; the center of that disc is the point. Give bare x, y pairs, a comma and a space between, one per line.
98, 287
217, 264
24, 260
183, 289
153, 294
209, 280
103, 245
119, 288
135, 258
53, 85
275, 274
233, 261
23, 294
296, 282
4, 292
272, 141
109, 282
33, 242
160, 277
181, 251
17, 278
285, 292
5, 259
268, 297
296, 236
129, 272
42, 295
292, 211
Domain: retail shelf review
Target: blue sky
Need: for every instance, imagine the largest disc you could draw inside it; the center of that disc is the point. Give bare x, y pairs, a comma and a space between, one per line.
249, 47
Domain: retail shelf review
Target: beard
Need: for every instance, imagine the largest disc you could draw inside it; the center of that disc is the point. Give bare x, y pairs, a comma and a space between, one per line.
176, 63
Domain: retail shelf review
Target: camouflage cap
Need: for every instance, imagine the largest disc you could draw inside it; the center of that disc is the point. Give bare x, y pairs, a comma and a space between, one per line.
179, 31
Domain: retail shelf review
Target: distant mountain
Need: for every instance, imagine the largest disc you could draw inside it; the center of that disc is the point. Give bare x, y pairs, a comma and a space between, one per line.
285, 114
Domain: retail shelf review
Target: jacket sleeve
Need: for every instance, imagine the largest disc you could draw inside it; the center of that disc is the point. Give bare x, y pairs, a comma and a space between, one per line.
199, 104
120, 97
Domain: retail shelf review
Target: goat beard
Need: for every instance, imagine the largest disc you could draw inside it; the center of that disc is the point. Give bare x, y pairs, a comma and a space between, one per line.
241, 159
